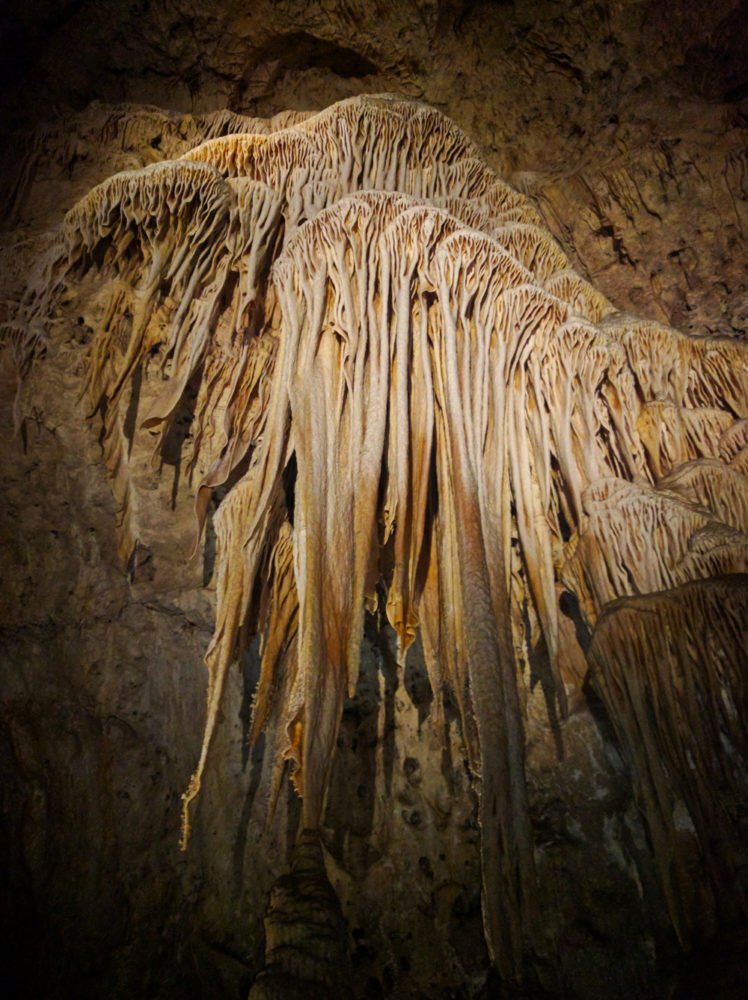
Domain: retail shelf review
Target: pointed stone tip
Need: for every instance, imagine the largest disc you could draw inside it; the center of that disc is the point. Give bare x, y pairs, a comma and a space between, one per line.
308, 856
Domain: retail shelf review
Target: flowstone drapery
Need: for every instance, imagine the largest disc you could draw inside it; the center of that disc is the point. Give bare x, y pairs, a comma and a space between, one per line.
417, 403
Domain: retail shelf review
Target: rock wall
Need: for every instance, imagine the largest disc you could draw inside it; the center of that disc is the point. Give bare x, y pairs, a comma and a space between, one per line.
625, 121
627, 129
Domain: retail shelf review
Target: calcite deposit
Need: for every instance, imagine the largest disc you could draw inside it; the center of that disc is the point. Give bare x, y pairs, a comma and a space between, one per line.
468, 536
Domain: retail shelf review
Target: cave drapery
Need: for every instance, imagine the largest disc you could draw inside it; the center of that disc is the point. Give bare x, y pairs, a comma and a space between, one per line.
417, 403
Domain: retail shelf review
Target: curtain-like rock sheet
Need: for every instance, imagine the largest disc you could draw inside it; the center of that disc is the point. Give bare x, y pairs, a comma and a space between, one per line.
671, 667
414, 398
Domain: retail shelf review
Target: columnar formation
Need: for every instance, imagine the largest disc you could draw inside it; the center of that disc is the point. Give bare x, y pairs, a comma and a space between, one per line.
418, 405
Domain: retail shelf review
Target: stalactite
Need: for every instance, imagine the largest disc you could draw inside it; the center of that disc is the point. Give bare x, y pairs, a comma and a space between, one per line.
671, 669
356, 296
716, 486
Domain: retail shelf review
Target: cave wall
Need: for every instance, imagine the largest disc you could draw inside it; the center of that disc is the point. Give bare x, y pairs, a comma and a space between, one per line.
625, 121
626, 125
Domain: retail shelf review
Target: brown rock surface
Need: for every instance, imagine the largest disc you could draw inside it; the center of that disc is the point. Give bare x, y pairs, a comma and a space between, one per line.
627, 130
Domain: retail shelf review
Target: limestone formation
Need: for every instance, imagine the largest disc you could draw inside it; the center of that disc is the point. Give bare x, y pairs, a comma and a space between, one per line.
410, 402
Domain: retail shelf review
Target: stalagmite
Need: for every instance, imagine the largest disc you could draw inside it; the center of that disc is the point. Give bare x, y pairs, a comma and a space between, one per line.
410, 392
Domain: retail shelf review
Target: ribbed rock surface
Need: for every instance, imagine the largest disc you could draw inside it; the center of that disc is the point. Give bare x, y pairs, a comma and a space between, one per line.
627, 130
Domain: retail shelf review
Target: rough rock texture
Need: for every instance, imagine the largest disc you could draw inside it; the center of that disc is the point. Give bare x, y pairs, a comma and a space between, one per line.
627, 129
626, 121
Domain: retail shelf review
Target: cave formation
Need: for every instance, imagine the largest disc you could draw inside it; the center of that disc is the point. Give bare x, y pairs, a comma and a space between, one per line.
422, 410
462, 544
